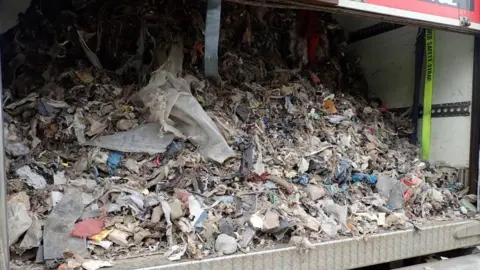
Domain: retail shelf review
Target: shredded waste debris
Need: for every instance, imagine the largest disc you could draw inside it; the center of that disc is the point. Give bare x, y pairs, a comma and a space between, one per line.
118, 146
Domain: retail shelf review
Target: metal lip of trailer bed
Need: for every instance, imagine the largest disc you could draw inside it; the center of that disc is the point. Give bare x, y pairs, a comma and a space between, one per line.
346, 253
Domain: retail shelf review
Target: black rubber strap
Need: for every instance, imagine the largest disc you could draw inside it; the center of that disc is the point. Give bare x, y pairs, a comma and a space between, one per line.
212, 34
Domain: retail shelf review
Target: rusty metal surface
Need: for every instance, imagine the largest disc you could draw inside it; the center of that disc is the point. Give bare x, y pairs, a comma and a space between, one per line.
339, 254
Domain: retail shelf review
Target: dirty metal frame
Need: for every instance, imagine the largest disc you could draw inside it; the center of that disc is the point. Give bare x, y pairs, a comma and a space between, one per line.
4, 247
337, 254
475, 124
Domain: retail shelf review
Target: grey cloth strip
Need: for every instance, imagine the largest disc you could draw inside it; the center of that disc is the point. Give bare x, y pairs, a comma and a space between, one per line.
212, 34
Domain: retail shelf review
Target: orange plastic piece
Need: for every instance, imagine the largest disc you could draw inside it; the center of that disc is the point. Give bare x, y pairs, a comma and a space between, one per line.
329, 106
101, 235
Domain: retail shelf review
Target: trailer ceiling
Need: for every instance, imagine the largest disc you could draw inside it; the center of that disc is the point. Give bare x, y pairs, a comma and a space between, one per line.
389, 10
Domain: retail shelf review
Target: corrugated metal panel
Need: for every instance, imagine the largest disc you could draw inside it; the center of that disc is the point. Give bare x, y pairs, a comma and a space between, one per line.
340, 254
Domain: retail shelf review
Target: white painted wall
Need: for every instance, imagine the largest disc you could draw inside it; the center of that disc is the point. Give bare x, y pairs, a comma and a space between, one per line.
450, 137
388, 63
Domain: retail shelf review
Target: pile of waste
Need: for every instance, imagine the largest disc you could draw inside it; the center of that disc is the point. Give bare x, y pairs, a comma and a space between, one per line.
117, 146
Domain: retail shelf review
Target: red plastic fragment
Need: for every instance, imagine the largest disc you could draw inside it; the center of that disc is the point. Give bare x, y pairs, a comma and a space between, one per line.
412, 181
383, 108
309, 28
372, 129
88, 227
407, 194
259, 178
182, 195
314, 78
157, 162
313, 41
200, 48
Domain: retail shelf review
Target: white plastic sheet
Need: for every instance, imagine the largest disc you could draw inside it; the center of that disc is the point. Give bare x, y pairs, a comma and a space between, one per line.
171, 104
174, 112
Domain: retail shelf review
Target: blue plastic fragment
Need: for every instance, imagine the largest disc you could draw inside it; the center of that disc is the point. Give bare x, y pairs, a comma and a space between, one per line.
95, 173
344, 189
270, 185
227, 199
113, 162
302, 180
366, 178
288, 101
265, 121
331, 188
174, 147
198, 225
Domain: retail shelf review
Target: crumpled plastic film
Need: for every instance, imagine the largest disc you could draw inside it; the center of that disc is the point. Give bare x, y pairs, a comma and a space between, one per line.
171, 103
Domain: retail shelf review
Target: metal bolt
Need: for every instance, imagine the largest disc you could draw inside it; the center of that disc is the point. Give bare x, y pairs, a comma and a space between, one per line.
465, 21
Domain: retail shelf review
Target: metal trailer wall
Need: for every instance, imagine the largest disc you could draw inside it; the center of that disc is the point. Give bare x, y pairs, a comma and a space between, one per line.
389, 68
8, 18
388, 63
450, 138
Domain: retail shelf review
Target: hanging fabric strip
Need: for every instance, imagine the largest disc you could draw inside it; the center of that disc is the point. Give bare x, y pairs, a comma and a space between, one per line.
212, 34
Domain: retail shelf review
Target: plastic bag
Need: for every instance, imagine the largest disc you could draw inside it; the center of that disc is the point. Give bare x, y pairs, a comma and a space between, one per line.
172, 105
145, 138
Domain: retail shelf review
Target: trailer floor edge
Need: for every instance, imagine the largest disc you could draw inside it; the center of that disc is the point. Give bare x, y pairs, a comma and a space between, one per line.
338, 254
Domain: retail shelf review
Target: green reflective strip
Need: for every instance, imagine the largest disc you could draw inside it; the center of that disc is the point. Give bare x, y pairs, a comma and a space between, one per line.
427, 96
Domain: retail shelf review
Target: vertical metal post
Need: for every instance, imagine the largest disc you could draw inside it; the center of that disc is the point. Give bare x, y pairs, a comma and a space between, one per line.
4, 248
475, 124
419, 55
